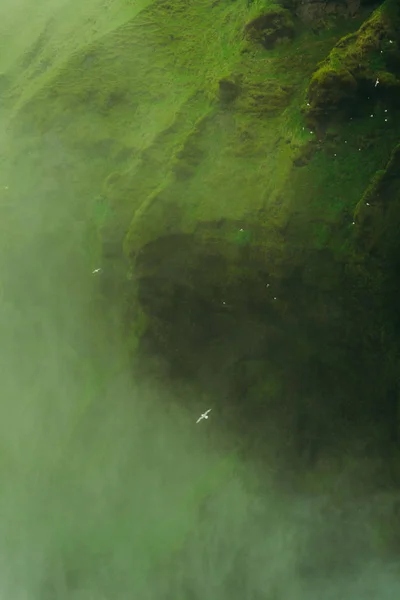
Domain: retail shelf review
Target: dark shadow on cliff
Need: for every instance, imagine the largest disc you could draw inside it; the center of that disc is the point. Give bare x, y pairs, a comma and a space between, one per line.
299, 353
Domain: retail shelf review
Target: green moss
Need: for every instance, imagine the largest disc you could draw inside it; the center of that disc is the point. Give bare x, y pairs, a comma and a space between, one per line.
354, 66
378, 211
303, 154
270, 26
265, 99
189, 138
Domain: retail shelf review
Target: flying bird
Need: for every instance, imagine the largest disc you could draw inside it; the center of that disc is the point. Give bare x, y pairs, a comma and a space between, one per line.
203, 416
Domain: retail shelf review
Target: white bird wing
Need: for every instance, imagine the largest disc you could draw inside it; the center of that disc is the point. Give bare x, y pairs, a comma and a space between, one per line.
203, 416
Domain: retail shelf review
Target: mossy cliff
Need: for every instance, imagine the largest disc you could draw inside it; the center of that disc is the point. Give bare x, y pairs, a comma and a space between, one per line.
363, 65
222, 153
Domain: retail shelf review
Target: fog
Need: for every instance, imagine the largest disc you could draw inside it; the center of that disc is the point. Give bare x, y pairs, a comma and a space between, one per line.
110, 489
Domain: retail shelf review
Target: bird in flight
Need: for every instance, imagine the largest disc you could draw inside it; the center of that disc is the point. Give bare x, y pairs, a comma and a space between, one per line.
203, 416
96, 271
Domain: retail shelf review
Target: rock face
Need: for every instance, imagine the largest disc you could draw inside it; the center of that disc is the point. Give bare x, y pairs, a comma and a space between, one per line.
331, 93
361, 65
377, 213
227, 213
312, 11
270, 27
229, 90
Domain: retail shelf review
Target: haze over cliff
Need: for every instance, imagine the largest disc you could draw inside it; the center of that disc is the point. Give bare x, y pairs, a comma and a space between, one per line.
198, 209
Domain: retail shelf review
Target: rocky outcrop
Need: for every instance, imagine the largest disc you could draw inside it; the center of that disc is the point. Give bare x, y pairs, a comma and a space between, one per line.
377, 214
238, 269
361, 65
271, 26
314, 11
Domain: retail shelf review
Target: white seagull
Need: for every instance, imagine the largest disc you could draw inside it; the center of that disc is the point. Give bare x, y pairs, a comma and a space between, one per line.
96, 271
203, 416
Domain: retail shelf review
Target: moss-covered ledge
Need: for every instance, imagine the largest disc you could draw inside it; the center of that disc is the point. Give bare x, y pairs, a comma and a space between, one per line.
363, 64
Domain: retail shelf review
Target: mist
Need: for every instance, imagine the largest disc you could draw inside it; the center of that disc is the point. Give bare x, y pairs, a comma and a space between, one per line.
110, 489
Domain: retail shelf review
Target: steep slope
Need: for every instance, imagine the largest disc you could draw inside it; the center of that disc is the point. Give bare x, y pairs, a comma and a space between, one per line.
221, 219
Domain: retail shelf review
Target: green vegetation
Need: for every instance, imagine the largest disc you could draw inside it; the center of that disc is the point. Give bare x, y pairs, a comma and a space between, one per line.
180, 231
215, 149
270, 26
360, 64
